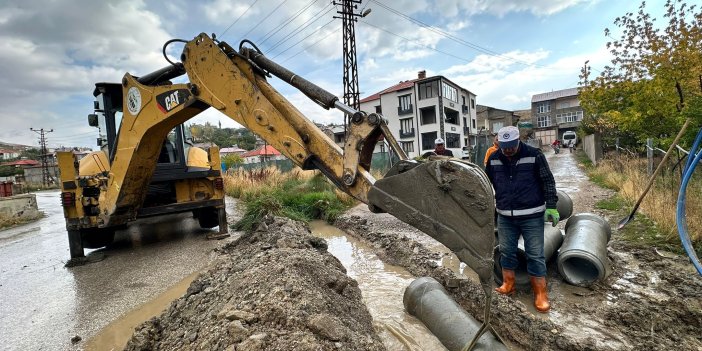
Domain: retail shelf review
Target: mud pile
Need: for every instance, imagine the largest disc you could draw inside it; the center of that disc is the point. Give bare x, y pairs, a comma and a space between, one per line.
274, 289
649, 302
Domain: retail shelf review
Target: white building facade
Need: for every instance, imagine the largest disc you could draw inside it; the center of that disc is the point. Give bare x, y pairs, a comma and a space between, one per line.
421, 110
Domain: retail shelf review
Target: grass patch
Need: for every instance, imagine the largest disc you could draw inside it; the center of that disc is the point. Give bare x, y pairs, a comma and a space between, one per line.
655, 222
612, 204
299, 195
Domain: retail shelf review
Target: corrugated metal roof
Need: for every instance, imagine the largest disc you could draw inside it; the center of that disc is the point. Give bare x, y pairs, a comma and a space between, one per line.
554, 95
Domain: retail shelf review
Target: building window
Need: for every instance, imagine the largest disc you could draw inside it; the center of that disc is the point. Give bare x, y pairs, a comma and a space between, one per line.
569, 117
428, 115
449, 92
472, 103
378, 109
451, 115
473, 123
407, 146
406, 124
543, 107
405, 102
428, 140
453, 140
427, 90
405, 107
543, 121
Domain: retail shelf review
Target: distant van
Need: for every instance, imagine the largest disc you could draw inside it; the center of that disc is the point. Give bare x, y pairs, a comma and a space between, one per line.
570, 139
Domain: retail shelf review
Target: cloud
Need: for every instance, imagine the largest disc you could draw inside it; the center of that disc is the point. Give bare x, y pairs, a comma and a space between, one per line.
54, 53
502, 7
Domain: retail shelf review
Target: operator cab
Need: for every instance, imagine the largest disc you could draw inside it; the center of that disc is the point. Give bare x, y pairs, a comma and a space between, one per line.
108, 117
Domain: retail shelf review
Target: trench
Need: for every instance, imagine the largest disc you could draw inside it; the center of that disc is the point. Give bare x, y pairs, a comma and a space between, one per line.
382, 287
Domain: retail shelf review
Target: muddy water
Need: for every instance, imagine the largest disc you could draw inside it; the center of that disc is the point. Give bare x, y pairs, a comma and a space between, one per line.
116, 334
382, 286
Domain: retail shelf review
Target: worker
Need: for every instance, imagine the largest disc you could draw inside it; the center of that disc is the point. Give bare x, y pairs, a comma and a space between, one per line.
491, 149
525, 197
439, 148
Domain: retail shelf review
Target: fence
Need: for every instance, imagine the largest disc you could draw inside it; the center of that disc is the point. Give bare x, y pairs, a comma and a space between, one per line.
653, 154
381, 163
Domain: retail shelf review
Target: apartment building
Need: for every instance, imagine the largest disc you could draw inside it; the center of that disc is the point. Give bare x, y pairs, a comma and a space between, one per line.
492, 119
421, 110
554, 113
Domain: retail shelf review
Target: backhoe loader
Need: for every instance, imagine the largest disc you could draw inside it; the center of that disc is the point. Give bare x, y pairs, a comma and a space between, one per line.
449, 199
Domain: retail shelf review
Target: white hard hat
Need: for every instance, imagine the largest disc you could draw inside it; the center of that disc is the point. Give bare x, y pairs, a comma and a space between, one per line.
438, 141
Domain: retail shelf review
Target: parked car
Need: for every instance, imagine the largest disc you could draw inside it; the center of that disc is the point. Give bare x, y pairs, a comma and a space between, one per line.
570, 139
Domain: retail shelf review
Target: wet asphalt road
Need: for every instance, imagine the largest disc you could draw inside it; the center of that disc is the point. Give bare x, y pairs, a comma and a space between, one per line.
43, 304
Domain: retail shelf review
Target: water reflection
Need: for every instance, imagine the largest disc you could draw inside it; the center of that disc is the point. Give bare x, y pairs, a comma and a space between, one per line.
382, 287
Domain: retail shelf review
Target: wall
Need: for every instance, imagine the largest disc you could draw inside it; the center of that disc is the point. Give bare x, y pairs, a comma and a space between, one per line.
24, 205
33, 175
592, 145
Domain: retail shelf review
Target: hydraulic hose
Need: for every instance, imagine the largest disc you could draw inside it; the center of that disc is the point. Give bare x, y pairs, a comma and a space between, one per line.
689, 169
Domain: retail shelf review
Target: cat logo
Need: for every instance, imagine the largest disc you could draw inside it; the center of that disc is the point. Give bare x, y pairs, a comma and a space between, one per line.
172, 99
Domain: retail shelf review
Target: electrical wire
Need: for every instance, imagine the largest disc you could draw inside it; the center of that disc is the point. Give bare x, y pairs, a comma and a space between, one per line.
301, 27
308, 46
301, 40
264, 19
237, 19
284, 24
680, 219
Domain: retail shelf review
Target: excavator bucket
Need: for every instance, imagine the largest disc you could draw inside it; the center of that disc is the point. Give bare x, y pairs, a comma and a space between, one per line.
450, 200
453, 202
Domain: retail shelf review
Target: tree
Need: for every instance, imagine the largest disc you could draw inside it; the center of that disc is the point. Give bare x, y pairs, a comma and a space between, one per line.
654, 81
231, 160
31, 154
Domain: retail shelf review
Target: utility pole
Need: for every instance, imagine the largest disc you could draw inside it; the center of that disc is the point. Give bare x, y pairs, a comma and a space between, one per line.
349, 17
46, 177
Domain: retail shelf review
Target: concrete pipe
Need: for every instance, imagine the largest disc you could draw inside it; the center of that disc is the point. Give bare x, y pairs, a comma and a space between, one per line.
582, 260
553, 238
564, 205
427, 300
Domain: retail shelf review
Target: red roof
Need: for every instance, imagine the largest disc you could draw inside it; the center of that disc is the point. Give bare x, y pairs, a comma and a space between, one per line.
8, 151
262, 151
399, 86
22, 163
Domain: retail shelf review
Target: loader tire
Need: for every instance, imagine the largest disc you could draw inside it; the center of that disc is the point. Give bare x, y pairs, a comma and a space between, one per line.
208, 217
94, 238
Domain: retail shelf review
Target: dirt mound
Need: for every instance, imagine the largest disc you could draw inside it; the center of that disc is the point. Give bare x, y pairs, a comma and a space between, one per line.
274, 289
649, 302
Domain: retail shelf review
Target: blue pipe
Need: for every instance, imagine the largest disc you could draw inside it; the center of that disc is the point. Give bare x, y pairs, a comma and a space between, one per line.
690, 166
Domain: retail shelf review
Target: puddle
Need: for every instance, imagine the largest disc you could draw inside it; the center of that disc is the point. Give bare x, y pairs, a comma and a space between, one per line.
116, 334
382, 287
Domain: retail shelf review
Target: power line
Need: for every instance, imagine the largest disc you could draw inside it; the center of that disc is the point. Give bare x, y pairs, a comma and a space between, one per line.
308, 46
453, 37
417, 42
265, 18
237, 19
301, 40
282, 25
301, 27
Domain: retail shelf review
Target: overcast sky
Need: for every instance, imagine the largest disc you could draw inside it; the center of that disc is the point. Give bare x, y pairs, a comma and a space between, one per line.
504, 51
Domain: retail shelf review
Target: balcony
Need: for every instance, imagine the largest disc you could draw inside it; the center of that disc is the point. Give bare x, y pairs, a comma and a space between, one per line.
406, 133
407, 111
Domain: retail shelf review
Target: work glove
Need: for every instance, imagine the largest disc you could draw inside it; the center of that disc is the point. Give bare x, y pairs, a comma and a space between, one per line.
552, 216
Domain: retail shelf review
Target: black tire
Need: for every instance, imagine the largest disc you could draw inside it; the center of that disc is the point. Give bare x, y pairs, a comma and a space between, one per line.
208, 217
94, 238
